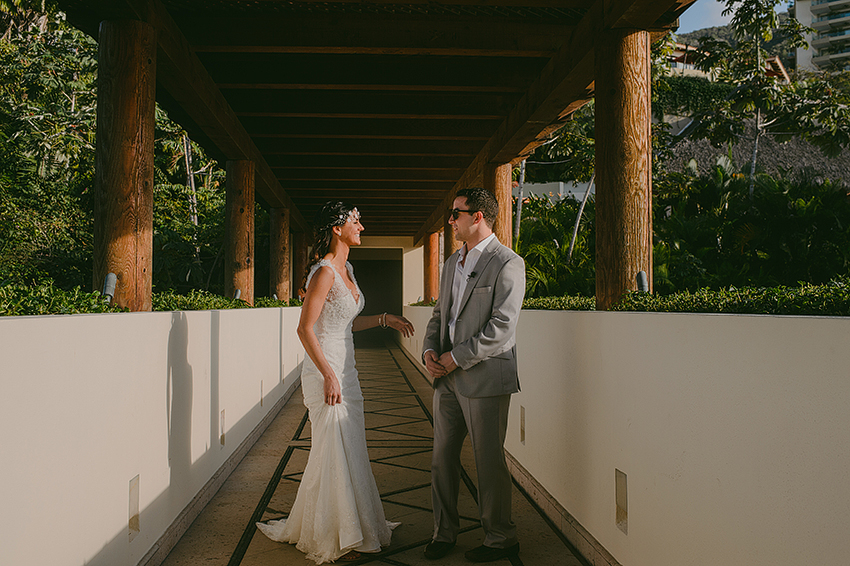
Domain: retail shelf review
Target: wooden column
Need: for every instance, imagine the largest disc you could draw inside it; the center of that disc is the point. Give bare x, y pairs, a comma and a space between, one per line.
623, 164
450, 245
239, 231
299, 262
280, 276
497, 179
432, 266
124, 161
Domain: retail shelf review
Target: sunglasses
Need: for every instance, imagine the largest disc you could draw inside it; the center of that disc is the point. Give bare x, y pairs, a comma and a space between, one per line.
455, 212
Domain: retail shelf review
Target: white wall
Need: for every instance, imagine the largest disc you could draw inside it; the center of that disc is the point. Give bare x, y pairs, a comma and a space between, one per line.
733, 431
91, 401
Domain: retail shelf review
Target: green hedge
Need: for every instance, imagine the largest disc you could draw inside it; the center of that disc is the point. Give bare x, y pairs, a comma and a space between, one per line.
830, 299
20, 300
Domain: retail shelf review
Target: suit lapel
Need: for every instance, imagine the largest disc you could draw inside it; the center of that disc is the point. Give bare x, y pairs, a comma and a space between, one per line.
488, 254
446, 292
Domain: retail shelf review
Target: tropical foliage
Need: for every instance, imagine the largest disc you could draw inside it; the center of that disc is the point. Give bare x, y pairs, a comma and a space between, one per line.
709, 233
544, 242
47, 129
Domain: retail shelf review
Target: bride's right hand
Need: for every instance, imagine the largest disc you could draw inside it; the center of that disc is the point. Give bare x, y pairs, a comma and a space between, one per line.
333, 394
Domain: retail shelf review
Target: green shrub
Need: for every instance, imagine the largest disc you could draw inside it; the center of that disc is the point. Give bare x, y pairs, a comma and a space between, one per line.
194, 300
46, 298
560, 303
267, 302
198, 300
829, 299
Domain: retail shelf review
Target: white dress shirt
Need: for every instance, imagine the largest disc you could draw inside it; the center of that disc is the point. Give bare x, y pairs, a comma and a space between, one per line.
464, 268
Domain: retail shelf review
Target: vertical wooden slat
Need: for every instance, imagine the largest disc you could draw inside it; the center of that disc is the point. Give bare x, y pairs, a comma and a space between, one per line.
432, 266
239, 230
280, 277
623, 164
497, 179
124, 161
299, 261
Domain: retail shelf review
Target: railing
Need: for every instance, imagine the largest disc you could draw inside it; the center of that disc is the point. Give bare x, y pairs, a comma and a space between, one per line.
119, 427
833, 34
684, 438
832, 17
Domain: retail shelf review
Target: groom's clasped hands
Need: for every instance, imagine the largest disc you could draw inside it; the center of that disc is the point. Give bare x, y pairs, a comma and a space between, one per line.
439, 366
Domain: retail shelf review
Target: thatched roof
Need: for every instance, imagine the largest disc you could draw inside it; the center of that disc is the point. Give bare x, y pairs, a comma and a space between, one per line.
796, 157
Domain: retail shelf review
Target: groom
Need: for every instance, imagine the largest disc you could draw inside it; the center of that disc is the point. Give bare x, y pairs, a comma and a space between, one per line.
470, 351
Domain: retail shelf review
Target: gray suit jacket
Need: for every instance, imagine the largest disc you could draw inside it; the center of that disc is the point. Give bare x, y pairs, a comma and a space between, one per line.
485, 331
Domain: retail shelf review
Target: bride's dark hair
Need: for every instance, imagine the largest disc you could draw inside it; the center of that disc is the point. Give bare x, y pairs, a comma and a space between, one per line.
332, 213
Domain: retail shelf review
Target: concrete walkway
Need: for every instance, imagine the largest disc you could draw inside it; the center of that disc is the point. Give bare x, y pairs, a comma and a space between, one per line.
399, 435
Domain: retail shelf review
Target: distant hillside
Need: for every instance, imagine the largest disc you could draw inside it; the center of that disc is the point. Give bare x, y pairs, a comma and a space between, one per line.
776, 46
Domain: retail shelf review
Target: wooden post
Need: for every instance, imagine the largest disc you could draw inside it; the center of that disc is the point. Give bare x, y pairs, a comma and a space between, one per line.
299, 262
432, 266
123, 187
280, 277
497, 179
239, 231
450, 245
623, 164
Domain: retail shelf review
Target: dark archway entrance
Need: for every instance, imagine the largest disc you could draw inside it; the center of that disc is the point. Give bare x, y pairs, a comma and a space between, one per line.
379, 273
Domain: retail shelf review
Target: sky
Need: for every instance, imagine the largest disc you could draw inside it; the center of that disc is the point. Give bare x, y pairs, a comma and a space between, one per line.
706, 13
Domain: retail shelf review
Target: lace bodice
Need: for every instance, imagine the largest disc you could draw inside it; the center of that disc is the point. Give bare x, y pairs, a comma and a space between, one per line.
340, 308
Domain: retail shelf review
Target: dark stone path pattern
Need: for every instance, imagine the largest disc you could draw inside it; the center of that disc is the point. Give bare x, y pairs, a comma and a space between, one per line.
399, 436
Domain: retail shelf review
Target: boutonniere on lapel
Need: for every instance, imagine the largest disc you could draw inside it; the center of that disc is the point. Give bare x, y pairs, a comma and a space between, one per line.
470, 276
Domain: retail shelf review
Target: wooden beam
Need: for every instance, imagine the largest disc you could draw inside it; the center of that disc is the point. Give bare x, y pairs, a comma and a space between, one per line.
371, 105
369, 128
374, 73
395, 176
124, 161
368, 162
182, 74
373, 36
623, 164
367, 147
239, 230
563, 4
414, 189
564, 85
643, 14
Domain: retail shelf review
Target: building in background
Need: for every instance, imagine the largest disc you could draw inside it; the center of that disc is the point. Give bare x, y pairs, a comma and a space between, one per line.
830, 44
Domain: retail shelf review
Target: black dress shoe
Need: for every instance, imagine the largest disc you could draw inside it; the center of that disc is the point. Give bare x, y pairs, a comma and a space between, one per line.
489, 554
436, 549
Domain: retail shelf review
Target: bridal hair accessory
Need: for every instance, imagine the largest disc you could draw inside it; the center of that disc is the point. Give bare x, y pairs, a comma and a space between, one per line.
335, 213
344, 217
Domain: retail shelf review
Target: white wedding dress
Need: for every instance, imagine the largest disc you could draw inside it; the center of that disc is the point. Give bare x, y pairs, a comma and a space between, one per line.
338, 507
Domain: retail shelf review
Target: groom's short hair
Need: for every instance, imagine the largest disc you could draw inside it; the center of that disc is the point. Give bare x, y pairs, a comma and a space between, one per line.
482, 200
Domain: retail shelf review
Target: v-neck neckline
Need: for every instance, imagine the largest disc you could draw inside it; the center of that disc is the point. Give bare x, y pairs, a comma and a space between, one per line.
344, 284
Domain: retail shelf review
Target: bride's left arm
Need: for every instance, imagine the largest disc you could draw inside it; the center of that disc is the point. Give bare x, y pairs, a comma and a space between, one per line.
384, 320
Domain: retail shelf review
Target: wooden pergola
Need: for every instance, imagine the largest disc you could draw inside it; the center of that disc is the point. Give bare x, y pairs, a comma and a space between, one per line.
393, 106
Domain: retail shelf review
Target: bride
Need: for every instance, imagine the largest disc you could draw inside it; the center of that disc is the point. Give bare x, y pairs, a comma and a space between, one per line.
337, 512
